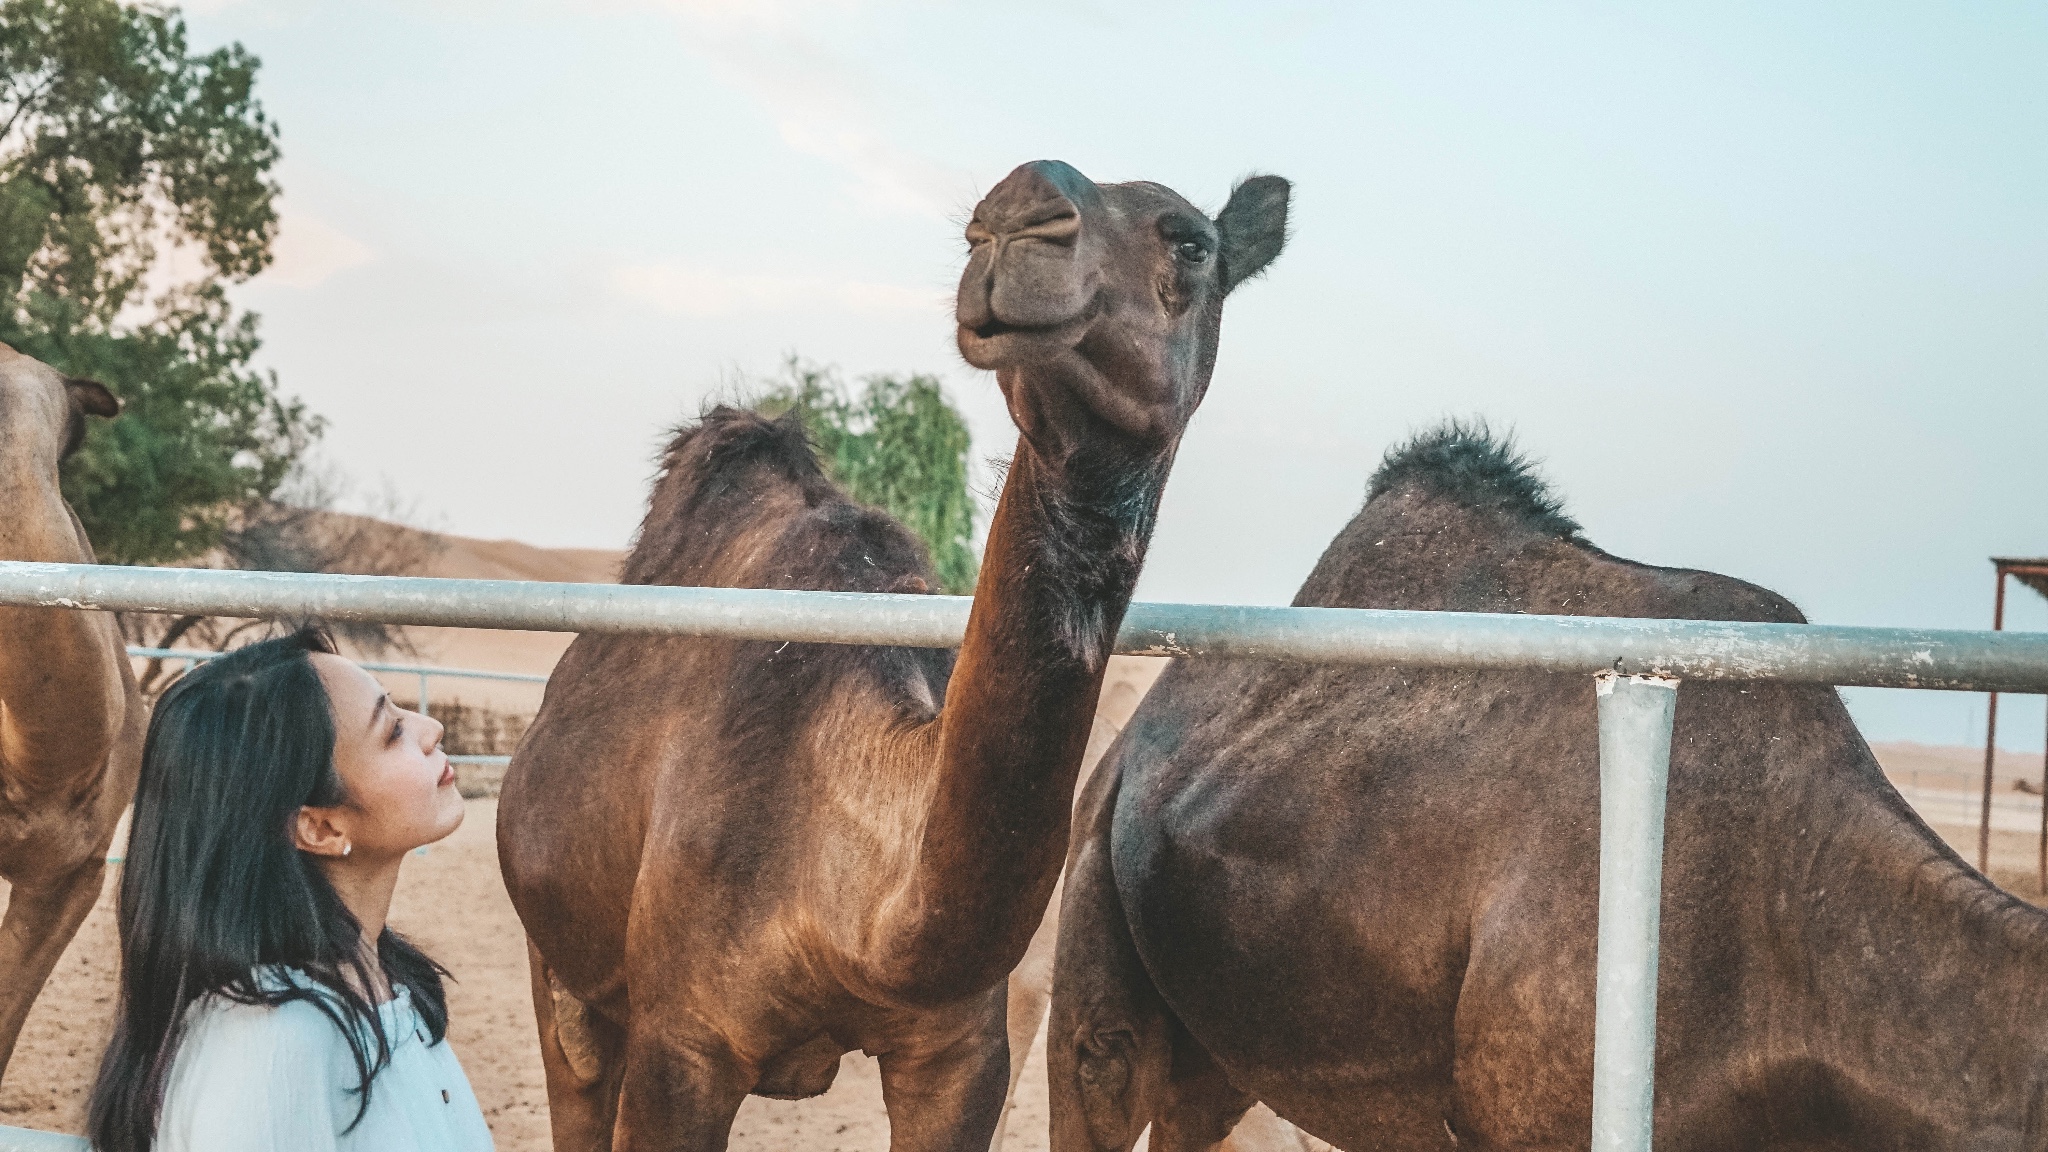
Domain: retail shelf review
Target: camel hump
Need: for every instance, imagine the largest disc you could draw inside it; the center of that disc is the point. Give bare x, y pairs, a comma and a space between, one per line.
722, 476
1457, 518
1464, 462
742, 501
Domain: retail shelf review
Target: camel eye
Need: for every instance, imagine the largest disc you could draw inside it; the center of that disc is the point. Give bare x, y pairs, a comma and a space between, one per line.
1191, 251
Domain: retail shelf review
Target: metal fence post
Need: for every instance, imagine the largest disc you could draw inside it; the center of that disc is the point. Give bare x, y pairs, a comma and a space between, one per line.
1635, 760
423, 695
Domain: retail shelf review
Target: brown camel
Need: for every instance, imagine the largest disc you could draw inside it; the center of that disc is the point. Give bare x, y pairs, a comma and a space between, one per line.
1367, 896
70, 717
736, 861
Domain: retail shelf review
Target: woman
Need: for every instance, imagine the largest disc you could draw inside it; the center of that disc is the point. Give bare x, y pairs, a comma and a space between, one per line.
264, 1002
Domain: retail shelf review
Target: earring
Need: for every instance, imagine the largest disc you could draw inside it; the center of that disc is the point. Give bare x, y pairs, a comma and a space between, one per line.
347, 847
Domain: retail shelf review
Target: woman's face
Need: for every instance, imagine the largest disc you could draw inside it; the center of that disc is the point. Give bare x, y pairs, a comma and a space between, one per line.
398, 787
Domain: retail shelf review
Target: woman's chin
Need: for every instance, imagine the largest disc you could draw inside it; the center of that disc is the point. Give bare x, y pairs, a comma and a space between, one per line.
455, 810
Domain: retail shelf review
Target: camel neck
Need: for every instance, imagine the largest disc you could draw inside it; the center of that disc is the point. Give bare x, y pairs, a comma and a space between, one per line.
1062, 559
60, 700
1933, 1007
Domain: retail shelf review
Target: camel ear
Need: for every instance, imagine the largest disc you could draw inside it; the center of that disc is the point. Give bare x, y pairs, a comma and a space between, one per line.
93, 398
1254, 228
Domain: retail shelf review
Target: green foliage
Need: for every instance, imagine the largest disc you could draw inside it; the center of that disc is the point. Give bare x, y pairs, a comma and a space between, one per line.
119, 149
896, 445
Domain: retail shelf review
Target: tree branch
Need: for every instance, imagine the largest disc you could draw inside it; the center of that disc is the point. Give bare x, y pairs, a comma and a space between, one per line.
153, 671
29, 102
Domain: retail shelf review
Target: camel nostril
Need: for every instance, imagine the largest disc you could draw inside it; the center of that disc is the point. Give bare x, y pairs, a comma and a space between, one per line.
1030, 203
1053, 221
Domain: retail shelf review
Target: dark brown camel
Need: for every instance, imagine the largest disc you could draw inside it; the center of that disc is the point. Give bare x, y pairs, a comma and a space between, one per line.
1367, 897
1030, 988
70, 716
736, 861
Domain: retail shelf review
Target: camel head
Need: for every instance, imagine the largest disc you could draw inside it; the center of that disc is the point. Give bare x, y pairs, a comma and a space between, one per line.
42, 416
1098, 305
42, 420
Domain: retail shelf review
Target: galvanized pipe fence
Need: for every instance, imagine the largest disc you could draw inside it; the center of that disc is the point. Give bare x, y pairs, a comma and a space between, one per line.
1637, 667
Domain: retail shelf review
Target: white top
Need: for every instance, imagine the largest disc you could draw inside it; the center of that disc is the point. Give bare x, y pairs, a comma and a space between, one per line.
251, 1078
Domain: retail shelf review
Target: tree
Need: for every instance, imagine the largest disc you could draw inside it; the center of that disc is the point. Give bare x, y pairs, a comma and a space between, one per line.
119, 150
897, 445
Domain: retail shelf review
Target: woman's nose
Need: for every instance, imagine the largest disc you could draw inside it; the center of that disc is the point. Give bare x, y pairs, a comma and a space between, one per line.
435, 730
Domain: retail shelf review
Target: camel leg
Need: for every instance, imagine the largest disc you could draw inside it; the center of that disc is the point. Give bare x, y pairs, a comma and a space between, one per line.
1108, 1049
582, 1054
1030, 990
1199, 1106
679, 1093
42, 917
944, 1092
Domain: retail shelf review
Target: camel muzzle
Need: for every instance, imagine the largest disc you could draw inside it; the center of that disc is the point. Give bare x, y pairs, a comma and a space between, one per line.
1030, 269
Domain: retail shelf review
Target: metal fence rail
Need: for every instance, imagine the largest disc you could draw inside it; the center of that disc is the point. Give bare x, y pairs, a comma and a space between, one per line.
1682, 649
1639, 665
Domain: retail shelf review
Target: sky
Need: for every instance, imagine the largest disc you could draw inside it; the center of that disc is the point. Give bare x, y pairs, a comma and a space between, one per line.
1763, 286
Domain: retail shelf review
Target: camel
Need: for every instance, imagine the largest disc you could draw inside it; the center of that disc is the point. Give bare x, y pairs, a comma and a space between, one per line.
737, 861
71, 719
1030, 985
1367, 896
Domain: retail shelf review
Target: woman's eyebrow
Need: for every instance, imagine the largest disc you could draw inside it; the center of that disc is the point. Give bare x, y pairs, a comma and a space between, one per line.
377, 710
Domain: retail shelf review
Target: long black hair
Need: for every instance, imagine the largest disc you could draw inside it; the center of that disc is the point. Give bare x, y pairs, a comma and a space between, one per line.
216, 895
